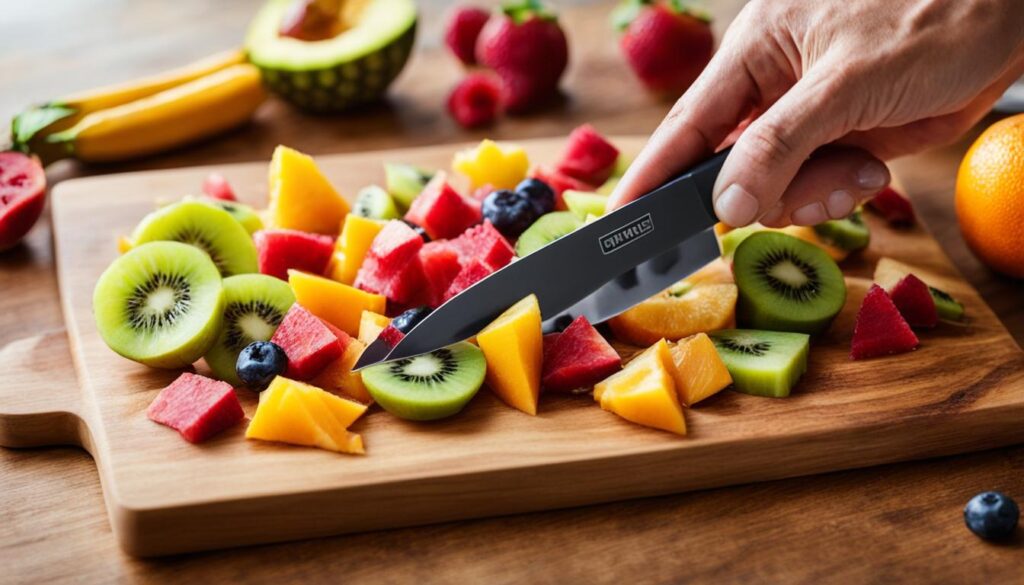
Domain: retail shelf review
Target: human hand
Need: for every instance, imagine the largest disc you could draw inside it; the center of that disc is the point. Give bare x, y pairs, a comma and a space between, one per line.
817, 94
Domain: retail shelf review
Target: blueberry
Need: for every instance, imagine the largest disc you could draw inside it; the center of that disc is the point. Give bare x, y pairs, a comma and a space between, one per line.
418, 229
259, 363
992, 515
407, 320
540, 194
511, 213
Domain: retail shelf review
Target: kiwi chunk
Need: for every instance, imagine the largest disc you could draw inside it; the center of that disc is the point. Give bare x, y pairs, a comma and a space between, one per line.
375, 203
763, 363
206, 227
584, 204
254, 305
159, 304
548, 228
786, 284
948, 308
429, 386
405, 182
849, 233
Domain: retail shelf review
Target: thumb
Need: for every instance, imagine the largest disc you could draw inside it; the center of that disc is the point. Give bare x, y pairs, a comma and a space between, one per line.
770, 152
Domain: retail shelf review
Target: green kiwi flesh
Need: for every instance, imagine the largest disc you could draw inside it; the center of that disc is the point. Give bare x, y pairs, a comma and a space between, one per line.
206, 227
786, 284
583, 204
763, 363
430, 386
254, 305
548, 228
159, 304
375, 203
245, 214
948, 308
405, 182
850, 233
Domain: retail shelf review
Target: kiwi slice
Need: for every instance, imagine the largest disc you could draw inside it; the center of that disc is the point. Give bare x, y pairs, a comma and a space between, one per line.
948, 308
548, 228
254, 305
375, 203
786, 284
245, 214
429, 386
734, 237
405, 182
206, 227
763, 363
849, 233
584, 204
159, 304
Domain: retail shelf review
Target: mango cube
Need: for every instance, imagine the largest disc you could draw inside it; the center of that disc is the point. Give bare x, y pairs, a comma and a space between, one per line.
697, 369
357, 233
338, 377
513, 346
300, 414
370, 326
644, 391
301, 197
501, 167
339, 304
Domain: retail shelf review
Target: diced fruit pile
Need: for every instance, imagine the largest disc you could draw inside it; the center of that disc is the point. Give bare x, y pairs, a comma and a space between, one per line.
284, 301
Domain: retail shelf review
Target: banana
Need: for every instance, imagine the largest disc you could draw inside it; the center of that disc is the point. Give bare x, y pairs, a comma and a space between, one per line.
173, 117
30, 128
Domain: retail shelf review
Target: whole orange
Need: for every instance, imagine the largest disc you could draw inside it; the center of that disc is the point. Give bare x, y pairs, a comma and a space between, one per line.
990, 196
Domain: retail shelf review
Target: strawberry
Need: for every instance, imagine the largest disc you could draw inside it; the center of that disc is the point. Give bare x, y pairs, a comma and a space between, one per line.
894, 207
528, 50
666, 44
475, 101
464, 25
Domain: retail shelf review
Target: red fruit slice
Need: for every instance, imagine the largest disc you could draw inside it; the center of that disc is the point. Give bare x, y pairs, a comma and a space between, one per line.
22, 195
196, 406
485, 243
895, 208
441, 211
578, 358
559, 183
915, 302
588, 156
391, 335
216, 186
880, 329
470, 274
310, 344
481, 192
440, 262
475, 101
391, 267
278, 250
463, 28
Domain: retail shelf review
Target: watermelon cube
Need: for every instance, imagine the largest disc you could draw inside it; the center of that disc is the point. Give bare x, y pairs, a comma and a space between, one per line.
281, 249
471, 273
310, 344
915, 302
442, 211
579, 357
391, 267
197, 407
560, 183
484, 243
440, 264
588, 156
880, 329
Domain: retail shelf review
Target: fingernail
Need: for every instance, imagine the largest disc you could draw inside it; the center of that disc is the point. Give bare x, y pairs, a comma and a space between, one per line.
873, 175
774, 213
736, 207
810, 214
840, 204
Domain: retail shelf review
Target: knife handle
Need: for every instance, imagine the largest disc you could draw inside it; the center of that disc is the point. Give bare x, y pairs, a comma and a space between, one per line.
704, 175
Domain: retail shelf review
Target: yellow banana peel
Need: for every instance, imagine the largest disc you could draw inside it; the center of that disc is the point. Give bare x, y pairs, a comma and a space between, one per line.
30, 129
168, 119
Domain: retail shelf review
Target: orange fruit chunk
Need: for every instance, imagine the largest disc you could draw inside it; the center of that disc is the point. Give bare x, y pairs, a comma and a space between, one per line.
697, 369
339, 304
338, 377
513, 346
678, 312
301, 197
357, 234
644, 391
300, 414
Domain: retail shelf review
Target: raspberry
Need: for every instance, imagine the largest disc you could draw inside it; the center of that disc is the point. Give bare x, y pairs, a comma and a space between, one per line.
475, 101
463, 28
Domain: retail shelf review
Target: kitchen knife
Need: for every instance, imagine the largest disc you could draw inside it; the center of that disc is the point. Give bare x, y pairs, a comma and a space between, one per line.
599, 270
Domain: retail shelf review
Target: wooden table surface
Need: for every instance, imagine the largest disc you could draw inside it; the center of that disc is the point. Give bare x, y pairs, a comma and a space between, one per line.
887, 524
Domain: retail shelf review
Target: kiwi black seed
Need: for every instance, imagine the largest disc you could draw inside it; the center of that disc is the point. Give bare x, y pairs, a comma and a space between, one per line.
786, 284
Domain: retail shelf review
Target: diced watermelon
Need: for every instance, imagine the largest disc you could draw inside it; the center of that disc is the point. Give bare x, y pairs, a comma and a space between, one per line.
895, 208
391, 267
216, 186
880, 329
559, 183
279, 249
440, 265
549, 345
196, 406
310, 344
442, 211
588, 156
391, 335
484, 243
471, 273
578, 358
915, 302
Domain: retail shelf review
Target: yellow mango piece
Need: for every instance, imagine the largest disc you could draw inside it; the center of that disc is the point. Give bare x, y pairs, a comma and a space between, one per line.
644, 391
342, 410
697, 369
502, 167
513, 346
339, 304
338, 377
357, 233
370, 326
678, 312
301, 197
282, 416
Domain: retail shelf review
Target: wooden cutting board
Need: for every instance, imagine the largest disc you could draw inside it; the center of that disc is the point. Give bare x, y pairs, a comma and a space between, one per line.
962, 390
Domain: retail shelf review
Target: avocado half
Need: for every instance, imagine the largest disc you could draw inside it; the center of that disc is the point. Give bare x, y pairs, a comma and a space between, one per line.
353, 68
